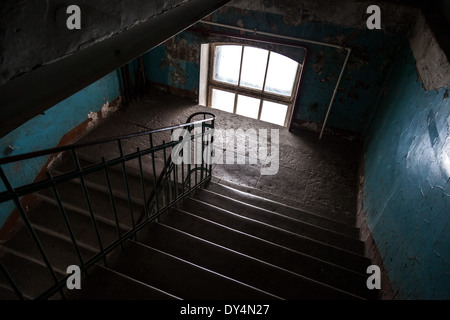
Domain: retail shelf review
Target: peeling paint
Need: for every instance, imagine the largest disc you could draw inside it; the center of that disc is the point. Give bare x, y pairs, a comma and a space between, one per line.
180, 49
176, 63
57, 121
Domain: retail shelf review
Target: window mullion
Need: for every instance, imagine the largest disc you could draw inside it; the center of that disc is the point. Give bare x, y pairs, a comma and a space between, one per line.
264, 85
239, 82
240, 69
267, 69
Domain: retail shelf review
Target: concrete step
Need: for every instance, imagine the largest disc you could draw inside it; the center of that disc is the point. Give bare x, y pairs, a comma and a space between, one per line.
106, 284
179, 277
238, 266
285, 210
31, 277
283, 222
59, 252
269, 252
97, 180
345, 259
47, 217
347, 218
72, 196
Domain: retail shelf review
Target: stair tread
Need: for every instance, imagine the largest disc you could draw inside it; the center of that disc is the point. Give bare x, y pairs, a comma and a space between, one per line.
60, 253
98, 179
264, 250
222, 243
105, 284
177, 276
276, 235
48, 216
32, 278
72, 196
282, 209
346, 218
283, 222
255, 273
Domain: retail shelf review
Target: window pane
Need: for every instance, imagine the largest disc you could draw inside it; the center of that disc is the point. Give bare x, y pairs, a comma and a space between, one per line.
254, 67
222, 100
247, 106
274, 112
281, 75
227, 63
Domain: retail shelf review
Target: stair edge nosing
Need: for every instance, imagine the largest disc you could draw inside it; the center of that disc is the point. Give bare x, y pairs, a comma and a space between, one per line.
289, 218
279, 228
264, 262
319, 216
205, 269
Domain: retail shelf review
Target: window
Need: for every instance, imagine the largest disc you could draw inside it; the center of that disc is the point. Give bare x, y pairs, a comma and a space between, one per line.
252, 82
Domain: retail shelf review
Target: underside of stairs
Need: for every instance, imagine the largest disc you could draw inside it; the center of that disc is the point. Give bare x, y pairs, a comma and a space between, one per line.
221, 242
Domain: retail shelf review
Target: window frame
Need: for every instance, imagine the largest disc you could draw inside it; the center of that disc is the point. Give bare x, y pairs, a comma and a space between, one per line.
250, 92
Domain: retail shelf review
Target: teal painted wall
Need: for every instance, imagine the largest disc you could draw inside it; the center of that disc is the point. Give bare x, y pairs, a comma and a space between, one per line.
45, 131
407, 183
176, 64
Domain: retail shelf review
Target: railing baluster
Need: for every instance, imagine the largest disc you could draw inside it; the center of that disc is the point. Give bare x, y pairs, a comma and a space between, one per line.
189, 173
167, 174
167, 183
182, 177
175, 173
11, 281
211, 149
127, 188
142, 183
89, 203
66, 220
30, 229
203, 150
195, 157
155, 186
111, 198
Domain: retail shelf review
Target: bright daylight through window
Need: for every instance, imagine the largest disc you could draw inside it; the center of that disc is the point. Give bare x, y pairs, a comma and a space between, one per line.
253, 82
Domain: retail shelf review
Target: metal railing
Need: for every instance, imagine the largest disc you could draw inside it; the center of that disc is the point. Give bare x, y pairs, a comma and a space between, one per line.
173, 183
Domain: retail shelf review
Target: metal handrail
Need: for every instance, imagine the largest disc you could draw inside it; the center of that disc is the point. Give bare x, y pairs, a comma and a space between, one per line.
50, 151
161, 184
189, 123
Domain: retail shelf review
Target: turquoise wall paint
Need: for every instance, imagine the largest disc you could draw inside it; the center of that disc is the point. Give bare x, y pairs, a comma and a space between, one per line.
176, 64
45, 131
407, 183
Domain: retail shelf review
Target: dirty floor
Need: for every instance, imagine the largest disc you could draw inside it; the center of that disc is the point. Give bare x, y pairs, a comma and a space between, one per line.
316, 175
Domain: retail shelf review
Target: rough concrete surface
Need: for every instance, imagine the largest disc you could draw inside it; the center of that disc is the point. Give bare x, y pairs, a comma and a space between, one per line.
31, 27
396, 18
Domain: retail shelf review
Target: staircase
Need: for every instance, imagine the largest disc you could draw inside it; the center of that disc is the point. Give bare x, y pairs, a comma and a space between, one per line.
220, 242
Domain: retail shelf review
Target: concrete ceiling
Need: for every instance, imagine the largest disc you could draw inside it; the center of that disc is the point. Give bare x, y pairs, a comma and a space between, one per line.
42, 62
